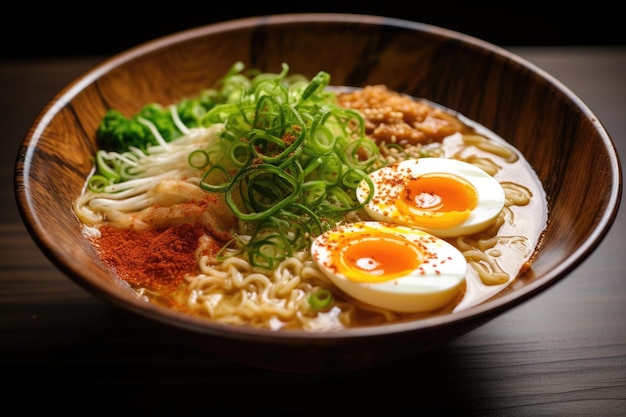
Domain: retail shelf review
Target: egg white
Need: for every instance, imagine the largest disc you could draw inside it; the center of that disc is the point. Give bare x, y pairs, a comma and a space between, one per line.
432, 285
382, 207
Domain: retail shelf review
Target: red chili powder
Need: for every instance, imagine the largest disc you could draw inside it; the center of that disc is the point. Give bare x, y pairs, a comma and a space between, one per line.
155, 258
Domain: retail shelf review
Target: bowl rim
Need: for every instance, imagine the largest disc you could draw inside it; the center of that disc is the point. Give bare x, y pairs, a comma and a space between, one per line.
482, 312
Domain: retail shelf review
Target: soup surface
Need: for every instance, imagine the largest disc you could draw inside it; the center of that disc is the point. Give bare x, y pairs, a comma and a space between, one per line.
275, 201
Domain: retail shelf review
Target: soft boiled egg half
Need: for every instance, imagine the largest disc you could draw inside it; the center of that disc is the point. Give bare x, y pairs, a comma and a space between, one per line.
400, 268
442, 196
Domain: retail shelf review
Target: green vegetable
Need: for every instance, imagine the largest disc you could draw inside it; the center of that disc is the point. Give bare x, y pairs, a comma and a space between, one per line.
300, 158
288, 158
320, 299
199, 159
119, 133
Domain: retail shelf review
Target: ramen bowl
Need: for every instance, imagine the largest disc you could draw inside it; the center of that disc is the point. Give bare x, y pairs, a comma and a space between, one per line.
562, 140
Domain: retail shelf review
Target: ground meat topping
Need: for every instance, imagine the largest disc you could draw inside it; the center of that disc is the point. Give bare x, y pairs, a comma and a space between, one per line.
392, 117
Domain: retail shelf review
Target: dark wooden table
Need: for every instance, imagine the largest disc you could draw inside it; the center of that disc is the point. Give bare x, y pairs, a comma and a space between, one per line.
562, 353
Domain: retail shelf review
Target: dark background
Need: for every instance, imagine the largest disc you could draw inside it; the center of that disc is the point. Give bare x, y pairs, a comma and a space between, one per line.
108, 28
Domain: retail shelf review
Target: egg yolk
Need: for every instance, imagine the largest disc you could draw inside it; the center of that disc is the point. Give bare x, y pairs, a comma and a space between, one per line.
375, 257
437, 200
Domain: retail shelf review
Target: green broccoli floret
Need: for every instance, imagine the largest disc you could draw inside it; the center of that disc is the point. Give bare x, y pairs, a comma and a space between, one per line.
118, 132
192, 111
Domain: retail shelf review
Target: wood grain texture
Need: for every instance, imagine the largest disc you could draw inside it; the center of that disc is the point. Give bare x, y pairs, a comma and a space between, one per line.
556, 132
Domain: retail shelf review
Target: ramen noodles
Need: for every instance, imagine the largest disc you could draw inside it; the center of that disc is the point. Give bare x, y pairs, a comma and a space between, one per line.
275, 201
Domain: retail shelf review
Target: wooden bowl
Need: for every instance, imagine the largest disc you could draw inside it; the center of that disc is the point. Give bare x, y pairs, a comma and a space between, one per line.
556, 132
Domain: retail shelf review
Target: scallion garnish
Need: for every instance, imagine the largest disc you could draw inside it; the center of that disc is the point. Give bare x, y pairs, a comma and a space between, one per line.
320, 299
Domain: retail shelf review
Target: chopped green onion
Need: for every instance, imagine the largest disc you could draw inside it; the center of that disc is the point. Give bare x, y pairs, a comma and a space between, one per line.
215, 179
97, 183
255, 179
198, 159
320, 299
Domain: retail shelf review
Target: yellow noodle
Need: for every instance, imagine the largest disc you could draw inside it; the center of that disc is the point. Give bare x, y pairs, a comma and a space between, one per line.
487, 145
